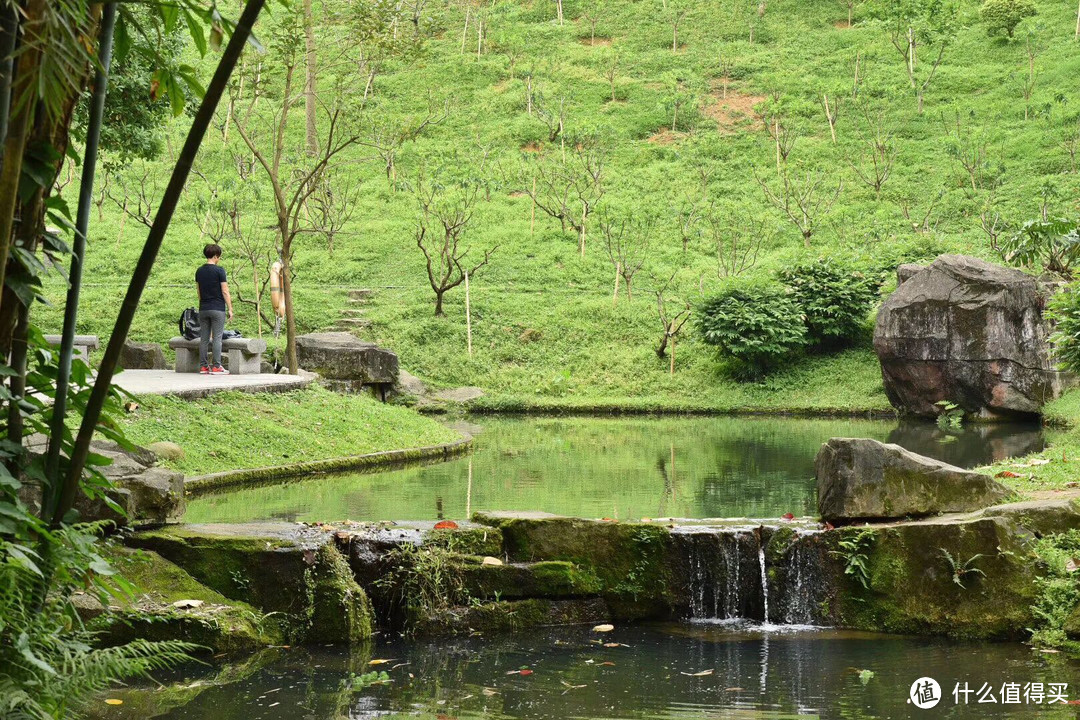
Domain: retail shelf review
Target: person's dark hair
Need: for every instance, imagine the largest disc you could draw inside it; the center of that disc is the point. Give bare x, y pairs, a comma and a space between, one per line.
212, 250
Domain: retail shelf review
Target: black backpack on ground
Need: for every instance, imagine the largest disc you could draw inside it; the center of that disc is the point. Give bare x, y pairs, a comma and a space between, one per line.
189, 324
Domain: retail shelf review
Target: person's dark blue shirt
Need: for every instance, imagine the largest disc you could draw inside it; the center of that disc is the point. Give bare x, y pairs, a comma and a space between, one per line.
209, 278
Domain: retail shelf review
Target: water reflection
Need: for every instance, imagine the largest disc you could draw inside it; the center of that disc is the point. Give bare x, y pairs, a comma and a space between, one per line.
671, 672
624, 468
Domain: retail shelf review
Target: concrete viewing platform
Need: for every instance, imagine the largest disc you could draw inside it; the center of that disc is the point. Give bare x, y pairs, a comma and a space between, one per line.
196, 385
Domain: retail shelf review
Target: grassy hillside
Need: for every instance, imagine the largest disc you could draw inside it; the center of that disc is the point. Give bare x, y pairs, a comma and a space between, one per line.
544, 325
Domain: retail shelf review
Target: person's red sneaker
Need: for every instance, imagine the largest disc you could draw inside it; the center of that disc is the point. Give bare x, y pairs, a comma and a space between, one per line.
218, 370
205, 370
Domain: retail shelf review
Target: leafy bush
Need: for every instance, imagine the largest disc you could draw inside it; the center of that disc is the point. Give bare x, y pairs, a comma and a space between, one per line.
1064, 311
1054, 244
1004, 15
834, 300
755, 325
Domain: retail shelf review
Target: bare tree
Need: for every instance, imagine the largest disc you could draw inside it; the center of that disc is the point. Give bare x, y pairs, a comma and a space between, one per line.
594, 12
677, 12
291, 186
311, 60
737, 244
805, 201
332, 206
136, 194
552, 114
920, 223
850, 6
1070, 142
627, 242
784, 137
912, 26
568, 186
387, 137
673, 313
444, 217
1032, 49
968, 149
875, 159
611, 71
993, 225
688, 213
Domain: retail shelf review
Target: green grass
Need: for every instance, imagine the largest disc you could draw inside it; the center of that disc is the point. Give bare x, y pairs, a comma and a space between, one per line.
584, 351
1058, 466
234, 430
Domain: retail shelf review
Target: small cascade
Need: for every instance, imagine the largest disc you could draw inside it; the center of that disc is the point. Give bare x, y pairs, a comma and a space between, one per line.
757, 574
764, 582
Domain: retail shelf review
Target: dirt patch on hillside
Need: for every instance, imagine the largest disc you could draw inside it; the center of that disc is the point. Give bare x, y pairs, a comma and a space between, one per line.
734, 110
841, 25
598, 41
532, 147
666, 137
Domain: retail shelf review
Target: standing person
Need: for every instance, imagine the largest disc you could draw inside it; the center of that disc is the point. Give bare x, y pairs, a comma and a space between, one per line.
214, 301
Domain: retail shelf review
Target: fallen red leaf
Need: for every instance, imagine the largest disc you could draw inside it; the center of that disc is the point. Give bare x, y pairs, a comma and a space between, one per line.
788, 516
608, 520
1007, 474
608, 662
446, 525
526, 671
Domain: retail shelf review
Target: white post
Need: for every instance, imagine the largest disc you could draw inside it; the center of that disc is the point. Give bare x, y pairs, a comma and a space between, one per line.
468, 316
615, 295
468, 494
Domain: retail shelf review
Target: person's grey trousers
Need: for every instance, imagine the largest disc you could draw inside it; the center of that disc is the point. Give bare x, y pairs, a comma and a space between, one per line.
211, 322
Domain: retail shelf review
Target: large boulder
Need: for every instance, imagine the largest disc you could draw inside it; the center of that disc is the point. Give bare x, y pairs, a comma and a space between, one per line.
345, 358
968, 332
860, 479
142, 356
148, 494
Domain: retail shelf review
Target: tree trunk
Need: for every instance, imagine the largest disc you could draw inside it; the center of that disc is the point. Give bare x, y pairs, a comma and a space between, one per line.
309, 87
438, 303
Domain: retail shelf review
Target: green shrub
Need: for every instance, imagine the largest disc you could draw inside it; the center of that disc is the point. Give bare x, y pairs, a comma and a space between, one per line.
1004, 15
755, 325
1064, 311
834, 300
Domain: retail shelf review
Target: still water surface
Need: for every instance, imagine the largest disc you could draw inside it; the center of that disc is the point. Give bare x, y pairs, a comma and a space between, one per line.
624, 468
670, 672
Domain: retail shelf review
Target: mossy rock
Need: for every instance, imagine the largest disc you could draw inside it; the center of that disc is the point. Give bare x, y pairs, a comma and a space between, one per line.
509, 615
984, 591
1072, 624
1041, 517
545, 579
219, 624
629, 559
280, 568
467, 540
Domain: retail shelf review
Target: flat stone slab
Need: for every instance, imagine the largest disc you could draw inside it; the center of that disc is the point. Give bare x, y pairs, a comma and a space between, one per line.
195, 385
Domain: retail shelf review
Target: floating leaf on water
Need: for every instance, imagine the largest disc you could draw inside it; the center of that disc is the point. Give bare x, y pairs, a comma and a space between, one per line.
379, 661
733, 689
608, 662
568, 686
703, 673
489, 691
612, 644
865, 676
603, 628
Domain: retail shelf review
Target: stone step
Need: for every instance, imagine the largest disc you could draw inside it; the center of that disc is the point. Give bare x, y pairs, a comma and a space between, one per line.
354, 322
352, 312
360, 294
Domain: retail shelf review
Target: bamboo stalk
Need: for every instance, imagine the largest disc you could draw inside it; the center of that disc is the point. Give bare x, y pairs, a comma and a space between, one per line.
615, 295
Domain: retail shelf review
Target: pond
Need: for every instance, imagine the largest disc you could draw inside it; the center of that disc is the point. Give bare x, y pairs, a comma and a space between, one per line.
623, 468
662, 671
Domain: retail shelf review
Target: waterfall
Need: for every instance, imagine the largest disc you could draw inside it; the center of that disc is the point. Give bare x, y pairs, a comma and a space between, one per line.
756, 574
764, 581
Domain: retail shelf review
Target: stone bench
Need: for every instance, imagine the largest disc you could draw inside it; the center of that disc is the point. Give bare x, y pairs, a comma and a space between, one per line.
83, 345
242, 356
